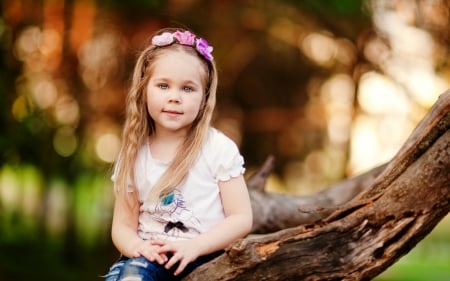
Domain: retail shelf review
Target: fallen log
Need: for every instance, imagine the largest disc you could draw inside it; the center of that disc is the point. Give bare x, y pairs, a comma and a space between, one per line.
382, 216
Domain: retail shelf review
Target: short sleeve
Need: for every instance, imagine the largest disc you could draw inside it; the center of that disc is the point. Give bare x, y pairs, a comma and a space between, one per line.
114, 172
114, 176
223, 156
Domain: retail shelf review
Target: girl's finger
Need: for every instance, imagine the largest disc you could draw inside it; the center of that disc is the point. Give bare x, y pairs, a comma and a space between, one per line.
152, 256
164, 257
181, 267
173, 260
161, 259
136, 254
164, 249
148, 256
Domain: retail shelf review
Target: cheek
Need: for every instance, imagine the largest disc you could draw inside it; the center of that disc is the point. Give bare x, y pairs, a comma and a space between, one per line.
151, 103
197, 105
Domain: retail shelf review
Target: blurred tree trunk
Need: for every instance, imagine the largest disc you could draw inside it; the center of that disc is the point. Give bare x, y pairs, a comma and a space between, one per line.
382, 220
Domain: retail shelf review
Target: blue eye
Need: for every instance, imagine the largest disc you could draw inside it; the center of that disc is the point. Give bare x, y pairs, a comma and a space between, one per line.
163, 86
188, 89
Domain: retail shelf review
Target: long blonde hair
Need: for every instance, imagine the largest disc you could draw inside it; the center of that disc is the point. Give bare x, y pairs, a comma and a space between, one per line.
139, 125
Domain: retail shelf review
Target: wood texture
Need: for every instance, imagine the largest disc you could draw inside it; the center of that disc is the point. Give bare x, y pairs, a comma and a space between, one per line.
352, 231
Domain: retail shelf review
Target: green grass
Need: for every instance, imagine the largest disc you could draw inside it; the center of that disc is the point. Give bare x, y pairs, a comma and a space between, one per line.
426, 270
428, 261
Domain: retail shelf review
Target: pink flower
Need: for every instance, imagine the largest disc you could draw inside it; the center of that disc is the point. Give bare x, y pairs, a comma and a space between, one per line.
204, 49
163, 39
185, 38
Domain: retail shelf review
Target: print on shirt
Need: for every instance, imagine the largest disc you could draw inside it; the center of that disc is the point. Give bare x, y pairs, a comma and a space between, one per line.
177, 217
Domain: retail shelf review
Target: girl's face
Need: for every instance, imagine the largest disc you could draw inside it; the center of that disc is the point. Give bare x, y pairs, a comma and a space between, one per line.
175, 91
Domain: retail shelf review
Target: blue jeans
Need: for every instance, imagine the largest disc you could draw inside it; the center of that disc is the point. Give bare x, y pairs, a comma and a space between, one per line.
141, 269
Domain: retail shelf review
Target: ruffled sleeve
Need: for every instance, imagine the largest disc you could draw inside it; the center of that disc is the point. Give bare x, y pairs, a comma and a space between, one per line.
223, 156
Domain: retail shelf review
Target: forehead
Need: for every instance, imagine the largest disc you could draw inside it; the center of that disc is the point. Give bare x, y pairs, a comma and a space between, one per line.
178, 62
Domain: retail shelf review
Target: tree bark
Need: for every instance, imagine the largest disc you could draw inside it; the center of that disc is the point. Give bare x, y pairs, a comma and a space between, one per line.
274, 211
351, 231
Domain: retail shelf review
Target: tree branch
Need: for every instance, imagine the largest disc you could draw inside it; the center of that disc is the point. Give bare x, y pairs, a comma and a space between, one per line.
361, 238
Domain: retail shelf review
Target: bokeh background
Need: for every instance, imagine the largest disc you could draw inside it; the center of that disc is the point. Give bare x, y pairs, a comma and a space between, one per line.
331, 88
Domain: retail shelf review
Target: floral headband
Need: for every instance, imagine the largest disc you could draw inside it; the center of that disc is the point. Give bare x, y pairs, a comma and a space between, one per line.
184, 38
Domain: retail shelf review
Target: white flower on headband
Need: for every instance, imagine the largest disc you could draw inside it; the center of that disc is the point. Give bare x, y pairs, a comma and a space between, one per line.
184, 38
163, 39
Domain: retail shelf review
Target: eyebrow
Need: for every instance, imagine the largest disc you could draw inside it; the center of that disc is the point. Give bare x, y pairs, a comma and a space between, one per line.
164, 79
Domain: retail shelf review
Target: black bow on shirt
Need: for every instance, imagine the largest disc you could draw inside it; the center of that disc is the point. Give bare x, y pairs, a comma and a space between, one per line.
177, 224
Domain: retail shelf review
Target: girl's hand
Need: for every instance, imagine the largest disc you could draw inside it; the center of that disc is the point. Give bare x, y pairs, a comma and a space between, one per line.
151, 251
183, 251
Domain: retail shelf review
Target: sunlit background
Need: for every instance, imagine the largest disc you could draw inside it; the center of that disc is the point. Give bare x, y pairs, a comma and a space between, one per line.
331, 88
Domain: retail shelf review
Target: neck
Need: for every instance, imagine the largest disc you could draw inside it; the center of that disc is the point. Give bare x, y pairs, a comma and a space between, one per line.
169, 136
164, 146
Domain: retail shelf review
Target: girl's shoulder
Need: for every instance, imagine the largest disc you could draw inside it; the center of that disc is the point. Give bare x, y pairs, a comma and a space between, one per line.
222, 155
217, 139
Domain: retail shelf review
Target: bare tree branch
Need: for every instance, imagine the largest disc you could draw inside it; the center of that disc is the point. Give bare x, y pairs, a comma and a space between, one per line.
358, 239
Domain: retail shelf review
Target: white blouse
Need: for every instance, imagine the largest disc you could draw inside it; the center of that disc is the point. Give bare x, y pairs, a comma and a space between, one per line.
194, 206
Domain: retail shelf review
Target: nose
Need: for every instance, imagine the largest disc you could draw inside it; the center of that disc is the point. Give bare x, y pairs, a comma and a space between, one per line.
174, 96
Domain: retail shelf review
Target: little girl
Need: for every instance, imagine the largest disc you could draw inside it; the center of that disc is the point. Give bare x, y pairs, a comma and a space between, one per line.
180, 193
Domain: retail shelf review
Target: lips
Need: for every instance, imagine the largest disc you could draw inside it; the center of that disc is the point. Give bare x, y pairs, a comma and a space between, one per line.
172, 113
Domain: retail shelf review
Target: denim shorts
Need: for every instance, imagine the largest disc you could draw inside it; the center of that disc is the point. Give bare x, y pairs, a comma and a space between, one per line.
141, 269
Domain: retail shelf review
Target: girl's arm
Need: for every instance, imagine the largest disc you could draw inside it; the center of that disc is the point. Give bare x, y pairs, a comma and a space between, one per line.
237, 224
124, 232
238, 217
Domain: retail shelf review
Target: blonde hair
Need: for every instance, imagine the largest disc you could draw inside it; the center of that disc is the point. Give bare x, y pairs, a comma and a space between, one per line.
139, 125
